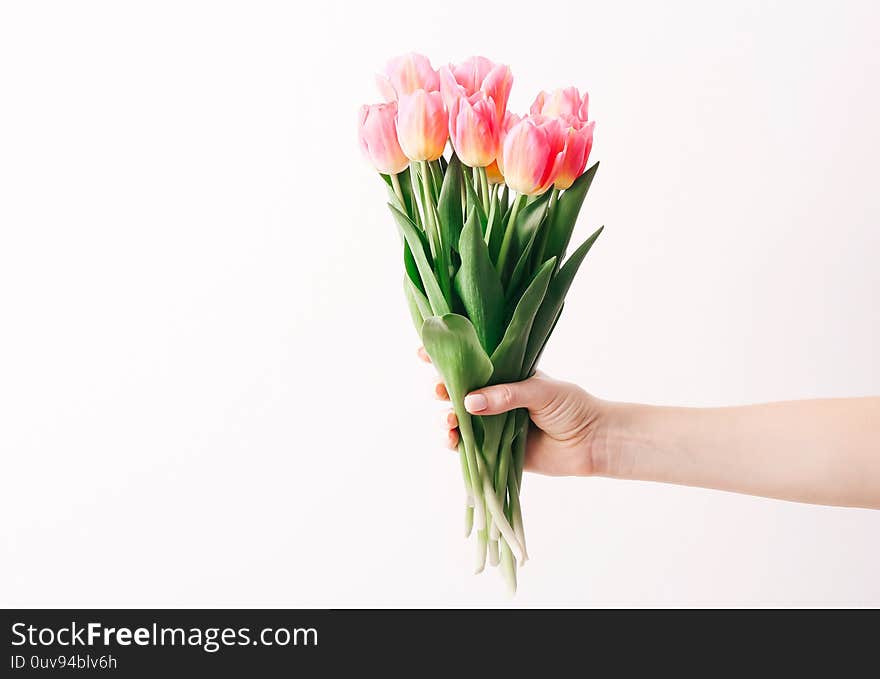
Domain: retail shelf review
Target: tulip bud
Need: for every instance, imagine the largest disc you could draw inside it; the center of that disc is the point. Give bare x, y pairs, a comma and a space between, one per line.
378, 137
578, 144
474, 129
532, 154
422, 125
406, 74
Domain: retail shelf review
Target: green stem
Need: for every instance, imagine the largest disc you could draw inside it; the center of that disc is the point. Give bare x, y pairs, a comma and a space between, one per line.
436, 179
503, 253
493, 551
468, 491
484, 188
505, 456
466, 430
416, 193
508, 567
432, 221
508, 563
516, 510
395, 183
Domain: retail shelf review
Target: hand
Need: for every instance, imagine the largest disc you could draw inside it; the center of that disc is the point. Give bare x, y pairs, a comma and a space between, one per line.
563, 437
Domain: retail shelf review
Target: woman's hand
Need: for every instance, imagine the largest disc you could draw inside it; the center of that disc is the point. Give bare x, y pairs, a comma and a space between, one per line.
563, 439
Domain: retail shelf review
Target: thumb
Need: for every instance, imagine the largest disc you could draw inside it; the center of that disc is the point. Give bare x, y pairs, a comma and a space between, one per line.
533, 393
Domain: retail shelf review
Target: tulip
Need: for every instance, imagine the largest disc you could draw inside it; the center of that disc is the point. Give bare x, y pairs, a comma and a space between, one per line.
406, 74
474, 129
532, 154
378, 136
477, 74
578, 143
567, 102
422, 125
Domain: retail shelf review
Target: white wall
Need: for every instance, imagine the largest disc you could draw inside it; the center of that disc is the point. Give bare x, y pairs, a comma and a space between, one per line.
208, 389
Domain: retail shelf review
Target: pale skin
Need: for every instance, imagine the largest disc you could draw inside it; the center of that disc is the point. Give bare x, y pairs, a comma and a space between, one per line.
824, 451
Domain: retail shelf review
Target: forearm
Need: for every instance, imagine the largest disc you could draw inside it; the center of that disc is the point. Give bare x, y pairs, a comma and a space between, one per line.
822, 451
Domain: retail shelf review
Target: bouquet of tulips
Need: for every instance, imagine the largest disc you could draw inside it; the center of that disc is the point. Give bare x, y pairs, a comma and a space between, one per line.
485, 233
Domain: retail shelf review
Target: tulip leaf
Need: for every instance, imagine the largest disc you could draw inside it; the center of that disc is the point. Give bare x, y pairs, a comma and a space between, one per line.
449, 205
552, 304
479, 286
412, 238
528, 221
495, 226
452, 343
516, 278
509, 355
534, 361
475, 202
565, 214
419, 308
412, 270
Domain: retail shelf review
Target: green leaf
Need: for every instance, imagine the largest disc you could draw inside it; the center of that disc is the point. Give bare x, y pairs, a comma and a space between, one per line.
552, 305
449, 205
412, 270
479, 286
452, 343
528, 221
566, 213
419, 308
508, 356
514, 288
411, 236
474, 202
495, 224
533, 362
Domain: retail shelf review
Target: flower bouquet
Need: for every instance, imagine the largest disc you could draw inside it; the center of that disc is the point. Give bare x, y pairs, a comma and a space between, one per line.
485, 234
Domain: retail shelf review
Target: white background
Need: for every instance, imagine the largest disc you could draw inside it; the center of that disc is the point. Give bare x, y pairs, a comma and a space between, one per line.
208, 388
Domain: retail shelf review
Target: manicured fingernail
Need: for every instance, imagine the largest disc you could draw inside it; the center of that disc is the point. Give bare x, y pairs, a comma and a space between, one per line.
475, 403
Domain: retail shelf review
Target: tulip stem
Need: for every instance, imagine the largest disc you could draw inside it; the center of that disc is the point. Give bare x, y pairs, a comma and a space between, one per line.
430, 225
508, 234
416, 196
484, 188
395, 183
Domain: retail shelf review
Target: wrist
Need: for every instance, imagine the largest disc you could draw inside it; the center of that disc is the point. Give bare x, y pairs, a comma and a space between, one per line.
616, 440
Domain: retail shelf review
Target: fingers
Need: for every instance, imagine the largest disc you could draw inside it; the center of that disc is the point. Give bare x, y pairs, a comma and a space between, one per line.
533, 393
449, 422
423, 355
440, 391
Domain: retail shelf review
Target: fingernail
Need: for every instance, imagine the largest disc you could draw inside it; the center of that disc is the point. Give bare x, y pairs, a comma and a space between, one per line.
475, 403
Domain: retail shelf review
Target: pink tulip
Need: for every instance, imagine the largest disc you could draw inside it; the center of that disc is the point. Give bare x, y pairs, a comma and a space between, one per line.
533, 154
378, 136
567, 102
510, 121
422, 125
474, 129
477, 74
406, 74
578, 143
